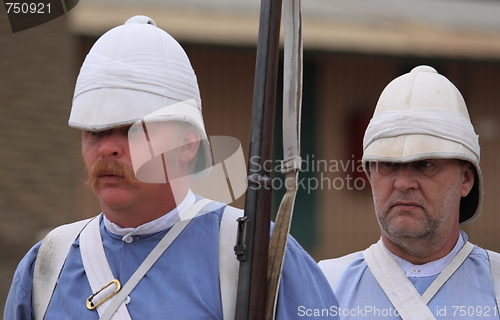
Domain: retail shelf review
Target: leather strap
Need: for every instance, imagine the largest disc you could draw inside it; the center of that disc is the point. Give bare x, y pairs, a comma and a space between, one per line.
49, 263
228, 264
292, 83
398, 288
447, 272
495, 273
395, 283
153, 256
97, 268
292, 101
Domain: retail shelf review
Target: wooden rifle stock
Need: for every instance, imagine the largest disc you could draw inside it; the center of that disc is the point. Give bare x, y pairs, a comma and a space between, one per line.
253, 240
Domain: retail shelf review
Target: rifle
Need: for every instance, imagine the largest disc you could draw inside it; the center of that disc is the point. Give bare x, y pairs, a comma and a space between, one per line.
258, 283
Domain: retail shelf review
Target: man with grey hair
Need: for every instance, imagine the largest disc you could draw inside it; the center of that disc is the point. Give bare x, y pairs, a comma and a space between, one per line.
157, 251
421, 155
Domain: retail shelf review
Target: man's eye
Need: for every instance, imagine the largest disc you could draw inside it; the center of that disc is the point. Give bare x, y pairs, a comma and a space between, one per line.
386, 167
93, 133
136, 129
425, 164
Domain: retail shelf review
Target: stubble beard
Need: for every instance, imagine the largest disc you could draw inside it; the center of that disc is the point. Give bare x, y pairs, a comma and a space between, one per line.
428, 233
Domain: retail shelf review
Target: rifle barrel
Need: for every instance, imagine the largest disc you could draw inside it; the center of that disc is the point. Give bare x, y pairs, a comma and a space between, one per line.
252, 283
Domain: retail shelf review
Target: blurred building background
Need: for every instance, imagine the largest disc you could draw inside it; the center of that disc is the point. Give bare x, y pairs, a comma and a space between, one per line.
352, 50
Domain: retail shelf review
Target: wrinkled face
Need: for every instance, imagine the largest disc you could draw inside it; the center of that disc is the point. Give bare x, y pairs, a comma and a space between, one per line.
421, 198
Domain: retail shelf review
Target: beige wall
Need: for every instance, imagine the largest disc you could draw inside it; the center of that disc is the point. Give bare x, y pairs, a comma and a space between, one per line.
226, 87
348, 86
480, 85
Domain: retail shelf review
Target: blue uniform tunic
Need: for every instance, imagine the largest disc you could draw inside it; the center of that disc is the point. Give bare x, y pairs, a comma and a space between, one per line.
468, 294
183, 283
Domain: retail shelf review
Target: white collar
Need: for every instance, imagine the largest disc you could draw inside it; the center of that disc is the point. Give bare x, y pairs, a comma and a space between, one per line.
162, 223
430, 268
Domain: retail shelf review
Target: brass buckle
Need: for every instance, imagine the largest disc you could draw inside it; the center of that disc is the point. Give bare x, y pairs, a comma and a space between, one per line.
91, 306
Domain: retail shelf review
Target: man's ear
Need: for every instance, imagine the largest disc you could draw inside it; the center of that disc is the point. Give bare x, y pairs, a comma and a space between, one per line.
190, 145
469, 175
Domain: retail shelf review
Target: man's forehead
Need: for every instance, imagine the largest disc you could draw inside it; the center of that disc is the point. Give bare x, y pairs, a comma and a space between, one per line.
139, 123
418, 160
431, 160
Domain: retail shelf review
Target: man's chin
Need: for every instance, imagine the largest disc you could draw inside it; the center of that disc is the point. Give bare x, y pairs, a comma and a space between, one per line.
112, 192
116, 199
404, 226
406, 231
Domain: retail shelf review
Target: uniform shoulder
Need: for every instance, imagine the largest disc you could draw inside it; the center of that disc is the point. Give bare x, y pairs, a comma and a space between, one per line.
340, 261
233, 211
78, 225
334, 268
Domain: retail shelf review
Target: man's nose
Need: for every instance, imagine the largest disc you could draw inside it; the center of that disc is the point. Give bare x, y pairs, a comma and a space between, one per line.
111, 145
406, 178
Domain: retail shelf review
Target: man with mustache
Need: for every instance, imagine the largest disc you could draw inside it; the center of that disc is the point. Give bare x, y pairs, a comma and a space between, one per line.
421, 155
158, 251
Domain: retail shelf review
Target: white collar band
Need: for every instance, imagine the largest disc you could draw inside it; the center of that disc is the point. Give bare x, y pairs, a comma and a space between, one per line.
431, 268
162, 223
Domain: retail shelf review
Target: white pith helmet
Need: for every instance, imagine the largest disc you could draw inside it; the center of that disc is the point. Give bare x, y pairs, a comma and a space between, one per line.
422, 115
132, 71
